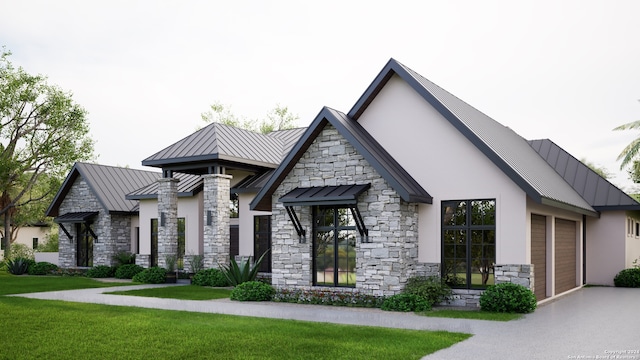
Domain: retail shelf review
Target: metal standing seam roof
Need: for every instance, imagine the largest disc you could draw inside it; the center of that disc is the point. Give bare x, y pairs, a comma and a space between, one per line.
397, 177
596, 190
252, 184
188, 185
508, 150
324, 195
109, 184
222, 142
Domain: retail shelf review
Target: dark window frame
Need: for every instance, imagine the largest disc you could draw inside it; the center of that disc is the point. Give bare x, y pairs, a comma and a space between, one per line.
336, 228
458, 241
262, 235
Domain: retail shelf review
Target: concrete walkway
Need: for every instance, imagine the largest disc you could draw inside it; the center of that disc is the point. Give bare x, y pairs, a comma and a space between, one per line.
587, 323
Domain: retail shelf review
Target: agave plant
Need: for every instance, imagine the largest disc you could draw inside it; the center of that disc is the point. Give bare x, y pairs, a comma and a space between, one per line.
237, 275
18, 266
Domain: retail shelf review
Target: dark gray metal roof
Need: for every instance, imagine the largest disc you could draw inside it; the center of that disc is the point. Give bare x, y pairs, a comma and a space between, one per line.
363, 142
109, 184
188, 185
324, 195
218, 142
75, 217
289, 138
508, 150
596, 190
252, 184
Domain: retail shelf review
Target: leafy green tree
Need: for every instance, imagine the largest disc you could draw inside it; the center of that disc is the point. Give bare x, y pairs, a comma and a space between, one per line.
630, 152
279, 118
42, 131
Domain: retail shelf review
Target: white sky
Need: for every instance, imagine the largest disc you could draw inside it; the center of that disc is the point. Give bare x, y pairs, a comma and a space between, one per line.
146, 70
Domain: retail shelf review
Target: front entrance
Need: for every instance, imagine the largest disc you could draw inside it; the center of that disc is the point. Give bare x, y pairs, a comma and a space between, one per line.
334, 247
84, 245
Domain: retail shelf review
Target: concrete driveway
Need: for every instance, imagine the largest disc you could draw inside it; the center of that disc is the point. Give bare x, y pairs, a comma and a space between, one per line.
591, 323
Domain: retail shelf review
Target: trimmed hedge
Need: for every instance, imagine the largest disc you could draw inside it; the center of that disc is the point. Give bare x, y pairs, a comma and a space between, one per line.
628, 278
153, 275
128, 271
508, 298
210, 277
42, 268
405, 302
253, 291
101, 271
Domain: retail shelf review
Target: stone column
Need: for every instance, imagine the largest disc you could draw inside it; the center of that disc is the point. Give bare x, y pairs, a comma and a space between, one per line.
216, 219
167, 210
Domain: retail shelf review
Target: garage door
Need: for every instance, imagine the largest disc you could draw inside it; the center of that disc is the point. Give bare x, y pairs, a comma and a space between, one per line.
539, 255
565, 255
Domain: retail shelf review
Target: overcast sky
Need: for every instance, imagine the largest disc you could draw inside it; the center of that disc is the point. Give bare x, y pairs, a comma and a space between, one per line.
146, 70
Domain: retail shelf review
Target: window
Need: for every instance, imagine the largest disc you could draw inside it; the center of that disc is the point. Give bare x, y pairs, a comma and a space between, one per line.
334, 247
262, 240
154, 242
1, 243
181, 240
84, 254
234, 206
468, 243
637, 229
35, 243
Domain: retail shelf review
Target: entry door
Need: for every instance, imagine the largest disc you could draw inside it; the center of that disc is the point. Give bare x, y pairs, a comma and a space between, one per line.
84, 246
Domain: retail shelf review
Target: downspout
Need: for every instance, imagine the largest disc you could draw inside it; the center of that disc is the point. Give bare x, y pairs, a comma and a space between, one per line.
584, 249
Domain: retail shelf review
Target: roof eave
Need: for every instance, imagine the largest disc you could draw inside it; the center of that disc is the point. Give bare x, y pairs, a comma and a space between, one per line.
569, 207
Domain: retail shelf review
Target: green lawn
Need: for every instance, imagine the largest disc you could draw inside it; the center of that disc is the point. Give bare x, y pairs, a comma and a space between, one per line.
12, 284
62, 330
187, 292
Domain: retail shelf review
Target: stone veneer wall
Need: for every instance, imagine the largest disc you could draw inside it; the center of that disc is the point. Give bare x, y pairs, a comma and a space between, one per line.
113, 231
217, 237
167, 204
383, 264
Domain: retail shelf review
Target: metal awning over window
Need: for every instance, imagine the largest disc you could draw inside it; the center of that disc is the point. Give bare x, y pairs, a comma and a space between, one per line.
75, 218
342, 195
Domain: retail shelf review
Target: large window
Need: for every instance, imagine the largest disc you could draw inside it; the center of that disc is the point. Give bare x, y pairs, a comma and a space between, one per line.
334, 247
468, 243
84, 254
262, 240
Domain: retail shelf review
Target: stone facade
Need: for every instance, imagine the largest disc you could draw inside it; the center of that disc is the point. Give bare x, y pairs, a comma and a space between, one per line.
167, 212
113, 231
386, 260
521, 274
216, 244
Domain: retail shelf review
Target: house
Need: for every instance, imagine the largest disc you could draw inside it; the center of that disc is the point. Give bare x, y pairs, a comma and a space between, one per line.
96, 221
30, 236
411, 181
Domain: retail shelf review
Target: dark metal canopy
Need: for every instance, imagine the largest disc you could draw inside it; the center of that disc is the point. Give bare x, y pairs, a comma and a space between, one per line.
75, 217
324, 195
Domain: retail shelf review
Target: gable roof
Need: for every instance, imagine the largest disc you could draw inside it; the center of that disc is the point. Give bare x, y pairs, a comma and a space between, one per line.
398, 178
218, 142
109, 184
506, 149
596, 190
188, 185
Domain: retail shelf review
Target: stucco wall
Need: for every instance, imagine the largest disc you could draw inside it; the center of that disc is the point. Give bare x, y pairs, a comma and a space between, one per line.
245, 223
605, 247
448, 166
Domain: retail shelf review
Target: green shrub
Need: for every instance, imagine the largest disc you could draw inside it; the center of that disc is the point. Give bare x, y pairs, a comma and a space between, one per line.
50, 244
21, 251
124, 258
42, 268
628, 278
196, 262
128, 271
508, 298
101, 271
432, 289
153, 275
236, 275
210, 277
328, 297
18, 266
253, 291
405, 302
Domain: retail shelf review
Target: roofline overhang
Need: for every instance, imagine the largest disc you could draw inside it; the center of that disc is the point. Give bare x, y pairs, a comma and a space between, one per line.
618, 208
187, 162
155, 196
565, 206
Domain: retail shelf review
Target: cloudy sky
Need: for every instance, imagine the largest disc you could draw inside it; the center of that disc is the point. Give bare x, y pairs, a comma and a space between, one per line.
146, 70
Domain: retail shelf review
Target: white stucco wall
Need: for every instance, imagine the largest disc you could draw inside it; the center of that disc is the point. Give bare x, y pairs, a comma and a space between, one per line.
246, 223
448, 166
605, 247
135, 224
190, 208
148, 211
632, 246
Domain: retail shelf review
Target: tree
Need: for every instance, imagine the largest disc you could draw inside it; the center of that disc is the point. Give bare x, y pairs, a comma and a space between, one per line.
600, 170
630, 152
42, 131
279, 118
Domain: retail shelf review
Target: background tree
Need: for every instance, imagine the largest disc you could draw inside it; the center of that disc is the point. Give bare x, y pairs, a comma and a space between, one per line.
42, 131
630, 153
279, 118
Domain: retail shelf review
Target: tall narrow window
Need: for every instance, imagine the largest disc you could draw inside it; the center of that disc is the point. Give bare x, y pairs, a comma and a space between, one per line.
262, 240
84, 249
35, 243
234, 206
181, 240
334, 247
468, 243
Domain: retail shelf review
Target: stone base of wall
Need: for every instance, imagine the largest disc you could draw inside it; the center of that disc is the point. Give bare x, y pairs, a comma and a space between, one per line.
464, 298
427, 269
521, 274
143, 260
